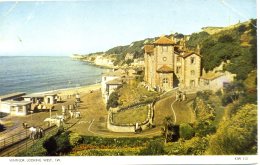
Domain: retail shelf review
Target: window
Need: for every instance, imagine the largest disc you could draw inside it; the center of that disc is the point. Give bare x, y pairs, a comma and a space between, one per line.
192, 72
13, 109
178, 69
165, 80
192, 83
164, 58
165, 49
192, 60
20, 109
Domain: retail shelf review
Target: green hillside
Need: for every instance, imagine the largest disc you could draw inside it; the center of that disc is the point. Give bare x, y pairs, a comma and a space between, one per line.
236, 43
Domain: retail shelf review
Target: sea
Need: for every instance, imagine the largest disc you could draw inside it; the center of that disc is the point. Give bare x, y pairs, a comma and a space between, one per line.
32, 74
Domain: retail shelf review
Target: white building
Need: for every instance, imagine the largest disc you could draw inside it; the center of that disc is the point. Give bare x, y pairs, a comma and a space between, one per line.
215, 81
42, 98
14, 104
111, 86
107, 83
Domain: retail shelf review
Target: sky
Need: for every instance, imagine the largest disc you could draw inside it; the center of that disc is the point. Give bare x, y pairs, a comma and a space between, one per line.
63, 28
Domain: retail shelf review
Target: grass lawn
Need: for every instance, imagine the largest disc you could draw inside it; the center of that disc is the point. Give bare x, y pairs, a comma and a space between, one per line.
136, 115
133, 93
183, 112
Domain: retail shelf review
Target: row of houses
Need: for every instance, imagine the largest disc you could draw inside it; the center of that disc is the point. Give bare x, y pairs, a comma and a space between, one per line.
19, 104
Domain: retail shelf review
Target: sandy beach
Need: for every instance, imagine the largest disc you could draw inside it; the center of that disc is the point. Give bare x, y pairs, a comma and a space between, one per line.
71, 91
13, 123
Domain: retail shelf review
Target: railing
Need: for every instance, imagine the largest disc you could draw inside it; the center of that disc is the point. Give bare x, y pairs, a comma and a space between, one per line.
23, 144
11, 140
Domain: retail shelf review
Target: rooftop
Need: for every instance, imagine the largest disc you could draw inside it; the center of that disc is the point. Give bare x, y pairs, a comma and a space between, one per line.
165, 69
11, 96
187, 54
148, 48
114, 82
40, 94
212, 75
11, 102
113, 74
163, 41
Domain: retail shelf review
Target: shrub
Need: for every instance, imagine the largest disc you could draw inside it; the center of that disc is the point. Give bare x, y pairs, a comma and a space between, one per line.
50, 145
186, 131
75, 139
204, 127
225, 38
238, 135
113, 100
58, 143
241, 28
153, 148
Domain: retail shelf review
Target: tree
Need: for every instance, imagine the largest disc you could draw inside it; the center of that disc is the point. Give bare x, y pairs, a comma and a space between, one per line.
186, 131
225, 38
237, 135
167, 130
232, 92
113, 100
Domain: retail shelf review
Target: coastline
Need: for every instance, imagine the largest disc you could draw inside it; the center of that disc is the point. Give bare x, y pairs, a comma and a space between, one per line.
74, 90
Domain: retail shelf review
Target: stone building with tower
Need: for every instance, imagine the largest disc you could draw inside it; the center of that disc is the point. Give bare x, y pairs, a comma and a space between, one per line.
169, 64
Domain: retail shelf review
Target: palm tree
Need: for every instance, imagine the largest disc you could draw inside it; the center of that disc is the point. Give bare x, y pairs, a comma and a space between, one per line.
166, 130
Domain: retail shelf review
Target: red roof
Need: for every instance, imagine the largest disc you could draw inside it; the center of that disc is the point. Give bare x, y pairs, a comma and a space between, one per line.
165, 69
187, 54
163, 41
148, 48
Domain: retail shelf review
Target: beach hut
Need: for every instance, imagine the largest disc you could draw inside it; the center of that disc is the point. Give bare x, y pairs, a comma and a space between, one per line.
15, 108
42, 98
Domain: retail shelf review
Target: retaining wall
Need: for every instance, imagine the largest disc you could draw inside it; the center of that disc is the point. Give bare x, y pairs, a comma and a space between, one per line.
131, 127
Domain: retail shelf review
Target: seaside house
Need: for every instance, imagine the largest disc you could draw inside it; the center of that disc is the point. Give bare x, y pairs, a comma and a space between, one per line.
107, 85
14, 104
169, 64
111, 86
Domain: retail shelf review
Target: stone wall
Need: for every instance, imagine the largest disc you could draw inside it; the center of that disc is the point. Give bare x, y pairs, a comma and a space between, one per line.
131, 127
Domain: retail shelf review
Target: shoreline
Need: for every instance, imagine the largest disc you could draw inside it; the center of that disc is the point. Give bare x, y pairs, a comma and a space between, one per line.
73, 90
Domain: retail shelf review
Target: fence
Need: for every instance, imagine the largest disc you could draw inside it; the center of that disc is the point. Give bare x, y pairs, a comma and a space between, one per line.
6, 142
19, 142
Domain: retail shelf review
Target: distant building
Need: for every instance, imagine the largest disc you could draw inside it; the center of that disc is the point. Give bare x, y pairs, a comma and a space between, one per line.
110, 81
169, 64
216, 80
41, 98
14, 104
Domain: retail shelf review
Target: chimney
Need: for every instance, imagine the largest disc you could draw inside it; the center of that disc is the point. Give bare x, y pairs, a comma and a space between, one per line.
172, 37
198, 49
